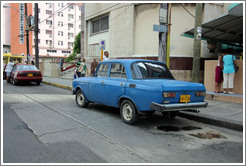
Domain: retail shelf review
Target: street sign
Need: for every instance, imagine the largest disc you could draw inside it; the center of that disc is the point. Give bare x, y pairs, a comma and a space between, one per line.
160, 28
102, 47
102, 42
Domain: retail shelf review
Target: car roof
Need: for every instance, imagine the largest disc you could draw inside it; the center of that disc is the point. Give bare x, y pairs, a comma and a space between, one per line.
128, 61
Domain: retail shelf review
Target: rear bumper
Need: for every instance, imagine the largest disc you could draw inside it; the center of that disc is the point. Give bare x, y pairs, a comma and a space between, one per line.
178, 107
27, 79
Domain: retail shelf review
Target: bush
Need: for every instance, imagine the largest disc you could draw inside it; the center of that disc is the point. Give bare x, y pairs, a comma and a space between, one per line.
71, 57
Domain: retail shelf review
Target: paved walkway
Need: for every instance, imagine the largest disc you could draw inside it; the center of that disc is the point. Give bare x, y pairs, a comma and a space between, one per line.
224, 114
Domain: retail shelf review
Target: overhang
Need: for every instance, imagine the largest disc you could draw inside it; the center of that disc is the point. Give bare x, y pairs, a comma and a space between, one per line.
226, 29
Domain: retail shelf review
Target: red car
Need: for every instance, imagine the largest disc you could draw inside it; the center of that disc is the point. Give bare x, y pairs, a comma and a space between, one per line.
25, 73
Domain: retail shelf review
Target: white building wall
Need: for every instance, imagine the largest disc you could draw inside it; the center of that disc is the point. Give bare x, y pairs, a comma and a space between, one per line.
59, 42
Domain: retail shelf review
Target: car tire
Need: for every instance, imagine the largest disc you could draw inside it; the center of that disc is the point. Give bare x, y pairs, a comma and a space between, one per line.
170, 115
37, 83
128, 112
80, 99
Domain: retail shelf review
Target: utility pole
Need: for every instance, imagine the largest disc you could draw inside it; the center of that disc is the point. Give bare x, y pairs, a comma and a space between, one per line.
36, 31
27, 35
197, 43
162, 52
82, 32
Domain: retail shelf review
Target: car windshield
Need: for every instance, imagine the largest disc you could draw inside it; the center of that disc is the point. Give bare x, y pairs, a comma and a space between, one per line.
151, 70
26, 68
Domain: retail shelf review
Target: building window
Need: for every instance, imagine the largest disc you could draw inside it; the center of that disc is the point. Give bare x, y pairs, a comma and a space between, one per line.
48, 12
100, 24
70, 34
60, 23
70, 16
49, 22
70, 44
60, 14
49, 42
49, 32
94, 50
60, 43
54, 51
66, 52
60, 33
70, 25
71, 7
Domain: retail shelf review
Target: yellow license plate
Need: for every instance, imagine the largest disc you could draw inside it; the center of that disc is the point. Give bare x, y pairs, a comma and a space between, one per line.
184, 98
29, 75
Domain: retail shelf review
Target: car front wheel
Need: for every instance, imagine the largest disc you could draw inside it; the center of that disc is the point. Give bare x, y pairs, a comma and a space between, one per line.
80, 99
14, 82
128, 112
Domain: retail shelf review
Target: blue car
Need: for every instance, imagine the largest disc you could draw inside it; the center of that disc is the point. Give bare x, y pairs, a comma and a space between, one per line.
138, 87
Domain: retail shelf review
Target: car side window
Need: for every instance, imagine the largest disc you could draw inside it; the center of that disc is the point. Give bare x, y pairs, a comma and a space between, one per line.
117, 71
103, 70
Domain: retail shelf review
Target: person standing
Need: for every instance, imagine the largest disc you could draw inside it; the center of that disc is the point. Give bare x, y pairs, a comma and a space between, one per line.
228, 71
93, 66
106, 56
9, 68
218, 74
82, 68
78, 63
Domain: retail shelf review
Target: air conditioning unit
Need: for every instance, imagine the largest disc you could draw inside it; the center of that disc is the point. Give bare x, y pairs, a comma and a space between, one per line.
68, 37
50, 6
68, 28
69, 19
50, 45
50, 35
50, 26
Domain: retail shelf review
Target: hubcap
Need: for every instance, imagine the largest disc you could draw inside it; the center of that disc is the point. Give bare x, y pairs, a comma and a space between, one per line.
127, 112
80, 98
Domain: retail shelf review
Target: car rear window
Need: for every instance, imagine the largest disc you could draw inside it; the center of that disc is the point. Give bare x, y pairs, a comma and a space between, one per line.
151, 70
27, 68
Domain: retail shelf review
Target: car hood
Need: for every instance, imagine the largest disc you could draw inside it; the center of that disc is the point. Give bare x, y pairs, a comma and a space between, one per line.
175, 85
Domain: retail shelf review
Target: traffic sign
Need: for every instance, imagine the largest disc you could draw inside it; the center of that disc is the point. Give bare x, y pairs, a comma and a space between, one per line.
160, 28
102, 42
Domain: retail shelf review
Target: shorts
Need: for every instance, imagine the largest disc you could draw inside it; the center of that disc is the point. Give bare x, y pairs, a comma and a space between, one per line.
218, 74
8, 74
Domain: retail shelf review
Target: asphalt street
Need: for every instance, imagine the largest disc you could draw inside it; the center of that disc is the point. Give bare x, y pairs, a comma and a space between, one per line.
43, 124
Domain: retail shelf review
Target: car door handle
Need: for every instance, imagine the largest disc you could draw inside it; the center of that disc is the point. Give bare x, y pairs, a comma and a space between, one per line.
121, 83
102, 82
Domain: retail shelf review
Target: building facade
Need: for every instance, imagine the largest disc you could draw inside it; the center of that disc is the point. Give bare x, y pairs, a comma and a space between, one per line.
127, 30
59, 23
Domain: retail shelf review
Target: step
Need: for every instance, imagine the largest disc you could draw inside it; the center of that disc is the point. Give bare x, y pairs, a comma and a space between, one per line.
236, 98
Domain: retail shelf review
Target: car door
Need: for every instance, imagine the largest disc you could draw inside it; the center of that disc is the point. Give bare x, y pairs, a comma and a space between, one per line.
115, 84
96, 86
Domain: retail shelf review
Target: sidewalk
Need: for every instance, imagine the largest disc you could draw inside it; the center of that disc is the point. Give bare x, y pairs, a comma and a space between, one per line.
224, 114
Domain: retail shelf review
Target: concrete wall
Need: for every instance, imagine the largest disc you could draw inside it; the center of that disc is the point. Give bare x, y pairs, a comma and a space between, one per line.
209, 76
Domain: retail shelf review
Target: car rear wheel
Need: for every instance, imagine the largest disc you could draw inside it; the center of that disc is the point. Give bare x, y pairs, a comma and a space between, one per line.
128, 112
170, 115
80, 99
38, 83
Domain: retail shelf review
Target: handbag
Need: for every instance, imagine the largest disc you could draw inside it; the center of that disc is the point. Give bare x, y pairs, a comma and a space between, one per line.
235, 66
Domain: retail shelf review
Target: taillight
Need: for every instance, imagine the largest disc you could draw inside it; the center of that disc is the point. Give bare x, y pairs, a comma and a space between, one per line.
169, 94
18, 75
200, 94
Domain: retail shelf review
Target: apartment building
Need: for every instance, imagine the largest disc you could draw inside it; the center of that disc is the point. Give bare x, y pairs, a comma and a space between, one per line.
59, 23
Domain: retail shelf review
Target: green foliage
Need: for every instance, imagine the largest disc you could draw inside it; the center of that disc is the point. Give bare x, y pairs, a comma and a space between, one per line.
76, 47
71, 57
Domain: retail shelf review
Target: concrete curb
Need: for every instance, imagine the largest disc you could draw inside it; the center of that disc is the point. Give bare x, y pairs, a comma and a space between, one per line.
58, 85
234, 125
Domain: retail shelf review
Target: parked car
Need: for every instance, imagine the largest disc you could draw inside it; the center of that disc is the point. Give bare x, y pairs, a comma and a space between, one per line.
22, 73
138, 87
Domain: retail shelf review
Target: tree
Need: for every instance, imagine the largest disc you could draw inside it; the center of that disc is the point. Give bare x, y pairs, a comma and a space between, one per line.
76, 47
